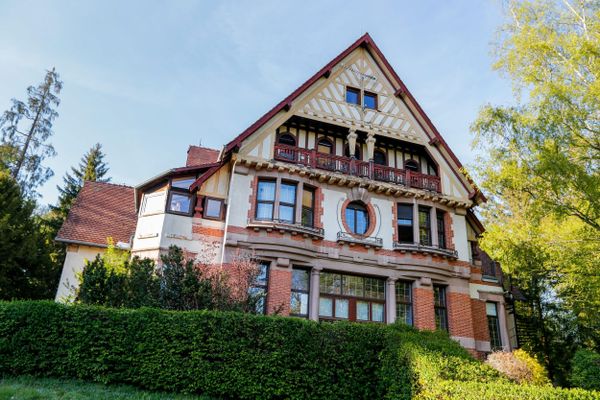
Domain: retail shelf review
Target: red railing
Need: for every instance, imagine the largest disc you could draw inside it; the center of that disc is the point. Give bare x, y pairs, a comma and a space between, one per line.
350, 166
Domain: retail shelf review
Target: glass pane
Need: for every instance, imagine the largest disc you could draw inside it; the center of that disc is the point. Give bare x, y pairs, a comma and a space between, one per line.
154, 203
405, 215
404, 313
259, 294
352, 96
377, 310
370, 100
213, 208
341, 308
266, 190
325, 307
180, 202
353, 286
330, 283
405, 234
439, 296
374, 288
286, 213
307, 217
324, 146
287, 194
491, 310
362, 310
183, 183
299, 303
264, 211
300, 279
308, 198
362, 222
261, 278
350, 220
403, 291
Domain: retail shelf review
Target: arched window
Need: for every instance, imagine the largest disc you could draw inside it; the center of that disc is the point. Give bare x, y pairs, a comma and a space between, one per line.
325, 145
412, 165
287, 139
356, 151
379, 157
357, 218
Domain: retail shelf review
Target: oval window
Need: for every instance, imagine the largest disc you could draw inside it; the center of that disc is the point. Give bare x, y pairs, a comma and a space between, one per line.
357, 218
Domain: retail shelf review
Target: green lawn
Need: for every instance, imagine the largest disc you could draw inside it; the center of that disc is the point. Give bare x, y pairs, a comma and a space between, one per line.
26, 388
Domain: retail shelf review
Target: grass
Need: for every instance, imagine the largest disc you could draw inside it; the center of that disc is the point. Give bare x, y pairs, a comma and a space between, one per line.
27, 388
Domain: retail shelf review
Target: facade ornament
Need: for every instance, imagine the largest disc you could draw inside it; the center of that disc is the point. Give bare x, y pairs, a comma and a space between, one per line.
370, 145
352, 142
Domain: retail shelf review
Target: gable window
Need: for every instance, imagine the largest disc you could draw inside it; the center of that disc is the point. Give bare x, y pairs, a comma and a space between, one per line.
411, 165
491, 309
308, 206
213, 208
287, 139
424, 226
404, 302
300, 292
287, 202
351, 297
357, 218
379, 157
352, 96
441, 312
405, 223
265, 199
258, 289
370, 100
325, 146
180, 198
441, 228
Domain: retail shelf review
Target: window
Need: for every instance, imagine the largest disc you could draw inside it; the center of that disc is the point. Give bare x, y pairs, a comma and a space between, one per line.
379, 157
351, 297
441, 228
493, 325
300, 292
325, 146
308, 206
265, 199
213, 208
352, 96
287, 202
474, 251
411, 165
258, 290
180, 203
441, 314
183, 183
154, 203
287, 139
370, 100
357, 218
424, 226
405, 223
404, 302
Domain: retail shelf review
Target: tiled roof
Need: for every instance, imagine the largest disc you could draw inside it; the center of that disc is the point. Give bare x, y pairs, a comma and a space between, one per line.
101, 210
197, 155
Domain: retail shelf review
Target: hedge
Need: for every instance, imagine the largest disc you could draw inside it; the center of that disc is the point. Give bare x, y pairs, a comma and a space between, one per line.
585, 369
233, 355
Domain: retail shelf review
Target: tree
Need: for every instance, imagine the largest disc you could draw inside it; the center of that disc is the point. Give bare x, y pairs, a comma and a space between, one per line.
26, 271
26, 128
541, 170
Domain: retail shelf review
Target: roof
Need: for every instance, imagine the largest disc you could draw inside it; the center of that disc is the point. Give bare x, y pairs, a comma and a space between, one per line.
400, 91
197, 155
101, 210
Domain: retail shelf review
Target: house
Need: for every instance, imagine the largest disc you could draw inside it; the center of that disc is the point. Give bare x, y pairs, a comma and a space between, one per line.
352, 201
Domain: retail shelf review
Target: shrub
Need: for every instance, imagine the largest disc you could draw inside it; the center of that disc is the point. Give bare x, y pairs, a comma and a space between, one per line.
585, 369
519, 366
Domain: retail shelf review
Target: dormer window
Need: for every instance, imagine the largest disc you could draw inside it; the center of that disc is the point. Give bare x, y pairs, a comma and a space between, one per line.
370, 100
353, 96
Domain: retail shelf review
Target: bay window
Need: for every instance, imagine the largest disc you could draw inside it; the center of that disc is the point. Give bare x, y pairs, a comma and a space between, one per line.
180, 200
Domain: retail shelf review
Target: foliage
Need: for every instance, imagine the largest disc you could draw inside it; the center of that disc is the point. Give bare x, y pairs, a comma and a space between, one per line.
25, 128
26, 271
541, 172
28, 388
585, 372
519, 367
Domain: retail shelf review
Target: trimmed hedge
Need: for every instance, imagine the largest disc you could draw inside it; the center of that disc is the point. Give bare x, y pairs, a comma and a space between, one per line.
233, 355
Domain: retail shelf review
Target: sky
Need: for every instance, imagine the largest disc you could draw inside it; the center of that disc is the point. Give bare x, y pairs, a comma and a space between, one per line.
148, 78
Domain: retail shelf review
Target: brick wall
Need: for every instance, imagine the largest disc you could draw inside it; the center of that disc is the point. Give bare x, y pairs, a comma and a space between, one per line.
479, 318
279, 291
449, 231
460, 319
423, 308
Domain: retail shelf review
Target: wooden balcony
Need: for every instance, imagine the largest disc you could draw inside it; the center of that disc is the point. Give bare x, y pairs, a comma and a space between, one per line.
354, 167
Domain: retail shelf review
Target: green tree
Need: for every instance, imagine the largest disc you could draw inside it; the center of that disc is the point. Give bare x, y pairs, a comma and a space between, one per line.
541, 170
26, 271
26, 128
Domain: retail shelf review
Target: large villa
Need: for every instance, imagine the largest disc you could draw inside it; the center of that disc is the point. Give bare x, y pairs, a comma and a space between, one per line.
345, 193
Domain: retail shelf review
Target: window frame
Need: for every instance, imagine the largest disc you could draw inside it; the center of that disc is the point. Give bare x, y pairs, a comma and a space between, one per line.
358, 93
301, 291
180, 191
313, 191
353, 229
286, 204
425, 226
264, 287
385, 157
272, 202
440, 218
403, 302
160, 210
496, 338
287, 133
371, 94
221, 209
325, 139
412, 222
441, 308
417, 165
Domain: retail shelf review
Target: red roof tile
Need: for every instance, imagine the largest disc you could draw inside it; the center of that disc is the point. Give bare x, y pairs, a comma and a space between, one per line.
101, 210
197, 155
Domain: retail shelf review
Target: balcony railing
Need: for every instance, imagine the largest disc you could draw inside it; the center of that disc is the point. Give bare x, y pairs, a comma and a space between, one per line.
286, 226
351, 166
417, 247
345, 237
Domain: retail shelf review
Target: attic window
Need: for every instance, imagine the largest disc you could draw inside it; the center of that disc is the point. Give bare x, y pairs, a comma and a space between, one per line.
183, 183
370, 100
353, 96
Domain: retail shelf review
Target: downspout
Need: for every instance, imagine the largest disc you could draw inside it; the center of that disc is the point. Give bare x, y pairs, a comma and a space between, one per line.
228, 210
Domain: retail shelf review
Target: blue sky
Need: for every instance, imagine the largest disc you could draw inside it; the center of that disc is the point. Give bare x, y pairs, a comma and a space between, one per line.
148, 78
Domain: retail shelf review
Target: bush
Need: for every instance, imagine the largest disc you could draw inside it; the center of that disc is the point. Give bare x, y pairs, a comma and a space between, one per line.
585, 370
519, 367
